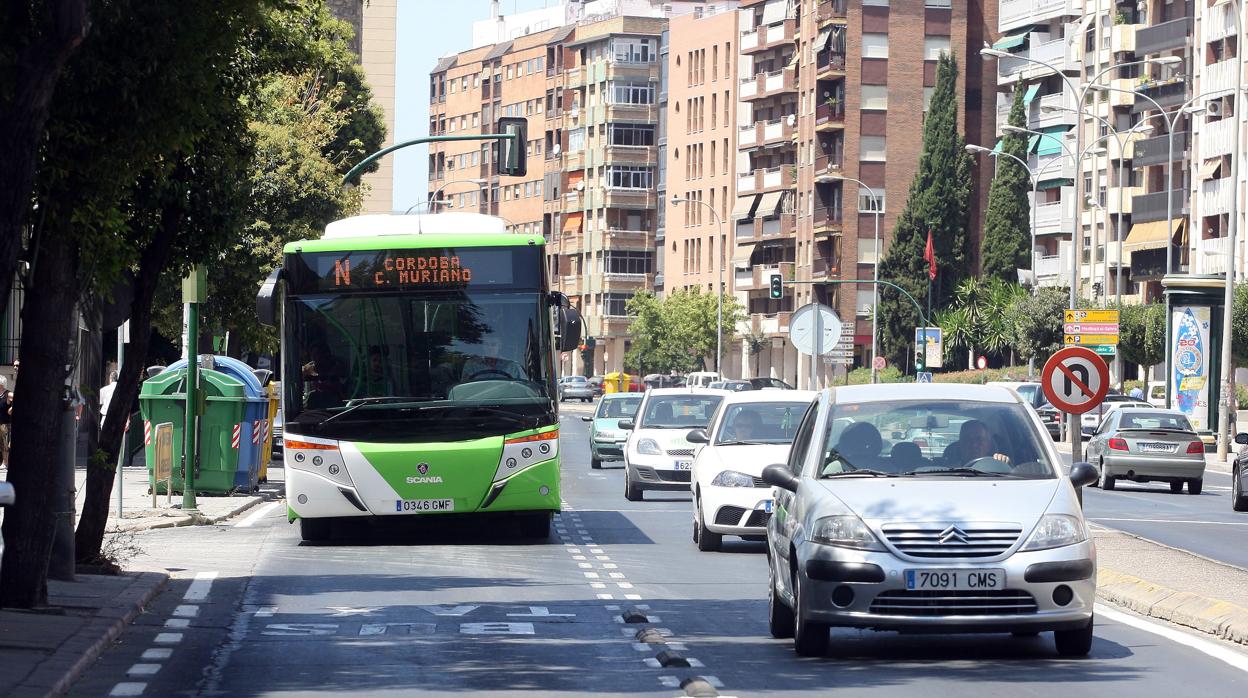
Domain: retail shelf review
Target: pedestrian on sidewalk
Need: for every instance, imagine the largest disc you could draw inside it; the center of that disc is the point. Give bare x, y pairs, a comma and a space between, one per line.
106, 396
6, 398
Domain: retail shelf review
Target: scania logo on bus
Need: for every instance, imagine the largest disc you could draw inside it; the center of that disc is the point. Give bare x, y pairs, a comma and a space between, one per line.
425, 478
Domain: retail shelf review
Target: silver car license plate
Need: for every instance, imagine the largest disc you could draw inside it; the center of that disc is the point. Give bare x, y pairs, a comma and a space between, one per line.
954, 579
1157, 447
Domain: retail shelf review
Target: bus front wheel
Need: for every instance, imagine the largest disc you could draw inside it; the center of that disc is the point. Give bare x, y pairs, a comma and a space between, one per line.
314, 530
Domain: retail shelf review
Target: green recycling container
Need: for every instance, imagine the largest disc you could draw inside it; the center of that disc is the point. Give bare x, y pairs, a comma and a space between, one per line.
163, 400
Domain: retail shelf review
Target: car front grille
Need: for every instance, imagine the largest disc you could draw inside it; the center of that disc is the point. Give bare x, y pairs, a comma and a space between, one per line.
674, 475
758, 518
939, 540
729, 516
680, 452
953, 603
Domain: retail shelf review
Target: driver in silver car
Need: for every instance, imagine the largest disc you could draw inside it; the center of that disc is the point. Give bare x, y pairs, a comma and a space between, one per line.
975, 442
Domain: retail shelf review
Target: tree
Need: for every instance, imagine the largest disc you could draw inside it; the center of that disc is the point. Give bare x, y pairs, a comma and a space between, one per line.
939, 201
1006, 243
1239, 326
1036, 322
755, 343
677, 332
1142, 334
979, 317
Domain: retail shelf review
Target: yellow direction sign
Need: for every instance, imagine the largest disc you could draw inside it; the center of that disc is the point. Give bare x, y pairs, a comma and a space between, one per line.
1082, 339
1091, 316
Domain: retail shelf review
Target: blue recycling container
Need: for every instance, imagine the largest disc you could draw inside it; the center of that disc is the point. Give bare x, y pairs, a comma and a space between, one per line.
251, 430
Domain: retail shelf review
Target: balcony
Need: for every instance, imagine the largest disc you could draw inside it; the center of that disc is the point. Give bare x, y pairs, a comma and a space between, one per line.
762, 133
1058, 217
1062, 114
829, 64
1122, 93
624, 282
827, 220
1055, 53
1127, 199
647, 113
1215, 196
1218, 76
1152, 207
1156, 150
1015, 14
745, 183
768, 37
770, 324
830, 116
1217, 22
1211, 255
575, 160
1162, 37
629, 198
770, 84
762, 273
631, 154
1170, 93
1216, 138
832, 11
828, 167
619, 238
573, 200
1122, 38
1049, 167
570, 285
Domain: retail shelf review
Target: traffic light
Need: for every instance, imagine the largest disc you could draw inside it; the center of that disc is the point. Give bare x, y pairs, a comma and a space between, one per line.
918, 358
777, 286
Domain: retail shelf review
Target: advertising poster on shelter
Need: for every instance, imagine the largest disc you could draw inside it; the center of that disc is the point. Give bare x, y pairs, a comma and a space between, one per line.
1190, 361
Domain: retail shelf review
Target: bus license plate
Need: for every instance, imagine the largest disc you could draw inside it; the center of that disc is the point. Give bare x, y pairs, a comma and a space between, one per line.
954, 580
424, 505
684, 464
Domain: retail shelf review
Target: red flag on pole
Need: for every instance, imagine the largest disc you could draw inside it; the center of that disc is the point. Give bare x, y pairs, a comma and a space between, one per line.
929, 256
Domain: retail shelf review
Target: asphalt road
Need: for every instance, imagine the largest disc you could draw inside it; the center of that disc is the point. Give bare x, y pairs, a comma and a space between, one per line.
435, 611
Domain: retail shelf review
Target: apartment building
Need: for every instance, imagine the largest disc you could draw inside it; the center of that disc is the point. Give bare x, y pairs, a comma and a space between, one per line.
700, 154
833, 91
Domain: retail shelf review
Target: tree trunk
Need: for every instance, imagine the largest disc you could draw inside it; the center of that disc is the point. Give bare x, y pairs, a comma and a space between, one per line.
54, 34
47, 329
102, 468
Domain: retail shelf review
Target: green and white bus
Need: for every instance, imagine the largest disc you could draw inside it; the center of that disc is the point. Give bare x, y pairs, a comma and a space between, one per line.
418, 371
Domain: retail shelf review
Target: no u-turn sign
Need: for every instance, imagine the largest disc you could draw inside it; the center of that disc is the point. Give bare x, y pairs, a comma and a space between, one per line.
1075, 380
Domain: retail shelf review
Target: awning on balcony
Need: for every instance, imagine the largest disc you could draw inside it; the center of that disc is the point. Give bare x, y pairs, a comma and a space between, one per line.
997, 148
1152, 235
741, 255
821, 41
1209, 168
1046, 184
774, 12
745, 206
793, 61
769, 205
1012, 41
1050, 143
1030, 94
572, 224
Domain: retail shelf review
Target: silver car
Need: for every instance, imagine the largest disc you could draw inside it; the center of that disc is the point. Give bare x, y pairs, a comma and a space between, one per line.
575, 388
1148, 445
868, 532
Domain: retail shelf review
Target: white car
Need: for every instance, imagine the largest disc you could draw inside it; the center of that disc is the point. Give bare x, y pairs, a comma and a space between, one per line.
1090, 420
751, 430
657, 456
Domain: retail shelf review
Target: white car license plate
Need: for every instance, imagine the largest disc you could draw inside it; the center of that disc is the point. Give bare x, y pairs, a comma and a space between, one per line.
954, 579
1160, 447
424, 505
683, 464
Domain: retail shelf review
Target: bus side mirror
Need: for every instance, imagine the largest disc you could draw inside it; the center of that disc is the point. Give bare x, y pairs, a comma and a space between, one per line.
511, 153
268, 299
569, 328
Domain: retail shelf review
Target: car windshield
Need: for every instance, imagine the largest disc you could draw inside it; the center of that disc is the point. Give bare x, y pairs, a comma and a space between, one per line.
679, 411
921, 438
618, 408
575, 379
760, 423
1154, 420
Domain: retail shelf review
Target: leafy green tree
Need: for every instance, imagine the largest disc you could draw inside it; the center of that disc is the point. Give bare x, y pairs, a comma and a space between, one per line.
1036, 322
1006, 243
677, 332
939, 201
979, 317
1239, 327
1142, 334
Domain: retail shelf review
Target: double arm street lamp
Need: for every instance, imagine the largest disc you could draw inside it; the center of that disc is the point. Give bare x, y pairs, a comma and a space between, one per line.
719, 312
434, 199
875, 287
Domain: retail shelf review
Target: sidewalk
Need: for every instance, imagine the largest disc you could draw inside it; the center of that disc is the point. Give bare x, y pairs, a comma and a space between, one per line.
140, 515
43, 653
1172, 585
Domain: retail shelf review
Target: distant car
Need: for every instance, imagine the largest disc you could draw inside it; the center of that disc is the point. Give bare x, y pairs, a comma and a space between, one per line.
1054, 420
1147, 445
702, 379
763, 383
595, 384
1156, 394
1090, 420
575, 388
1031, 391
7, 499
737, 386
607, 437
988, 537
1239, 485
657, 455
750, 430
279, 448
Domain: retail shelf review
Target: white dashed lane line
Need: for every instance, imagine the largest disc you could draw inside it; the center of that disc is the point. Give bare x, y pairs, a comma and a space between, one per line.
152, 657
251, 519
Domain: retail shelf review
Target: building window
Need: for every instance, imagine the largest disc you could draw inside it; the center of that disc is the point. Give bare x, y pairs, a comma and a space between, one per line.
629, 262
874, 97
933, 46
865, 299
628, 177
628, 50
867, 203
576, 140
871, 148
874, 45
866, 251
616, 304
631, 134
632, 93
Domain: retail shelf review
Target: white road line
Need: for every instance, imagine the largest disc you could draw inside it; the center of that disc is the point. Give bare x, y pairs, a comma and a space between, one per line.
591, 575
178, 623
597, 585
198, 591
616, 575
633, 597
255, 516
143, 670
128, 688
1176, 521
157, 653
624, 585
265, 611
585, 565
168, 638
605, 597
186, 611
1207, 647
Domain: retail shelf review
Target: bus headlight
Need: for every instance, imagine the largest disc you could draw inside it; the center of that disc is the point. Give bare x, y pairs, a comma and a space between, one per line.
521, 452
320, 456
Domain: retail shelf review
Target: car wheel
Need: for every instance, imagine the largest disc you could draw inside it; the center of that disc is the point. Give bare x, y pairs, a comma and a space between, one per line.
1176, 487
631, 492
810, 638
779, 616
1106, 482
708, 541
1074, 643
314, 530
1239, 495
1195, 485
595, 462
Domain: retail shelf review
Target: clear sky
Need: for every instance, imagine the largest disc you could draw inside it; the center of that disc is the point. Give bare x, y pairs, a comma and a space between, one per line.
427, 30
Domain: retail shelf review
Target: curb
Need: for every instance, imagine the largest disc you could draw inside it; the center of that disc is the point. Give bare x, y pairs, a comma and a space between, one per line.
58, 673
179, 521
1221, 619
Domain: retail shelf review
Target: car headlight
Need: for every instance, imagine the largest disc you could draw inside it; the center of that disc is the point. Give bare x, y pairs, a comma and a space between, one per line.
732, 478
845, 531
1055, 531
649, 447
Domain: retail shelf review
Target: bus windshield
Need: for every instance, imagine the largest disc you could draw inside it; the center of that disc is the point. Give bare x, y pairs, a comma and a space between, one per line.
435, 365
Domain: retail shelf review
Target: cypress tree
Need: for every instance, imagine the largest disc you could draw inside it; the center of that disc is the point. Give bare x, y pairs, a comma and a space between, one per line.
1007, 225
939, 200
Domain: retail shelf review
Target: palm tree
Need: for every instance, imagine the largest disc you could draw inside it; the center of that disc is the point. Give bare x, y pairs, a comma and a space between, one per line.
979, 316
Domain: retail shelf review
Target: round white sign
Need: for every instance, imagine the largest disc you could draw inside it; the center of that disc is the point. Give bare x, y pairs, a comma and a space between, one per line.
802, 329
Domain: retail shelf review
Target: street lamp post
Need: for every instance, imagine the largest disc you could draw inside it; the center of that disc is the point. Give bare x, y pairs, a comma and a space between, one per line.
437, 193
719, 312
1227, 422
875, 287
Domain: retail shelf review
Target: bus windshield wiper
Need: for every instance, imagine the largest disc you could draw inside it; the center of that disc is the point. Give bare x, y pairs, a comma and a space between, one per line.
361, 402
